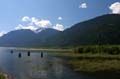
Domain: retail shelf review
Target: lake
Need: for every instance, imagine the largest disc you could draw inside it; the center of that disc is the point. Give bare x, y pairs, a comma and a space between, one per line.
21, 65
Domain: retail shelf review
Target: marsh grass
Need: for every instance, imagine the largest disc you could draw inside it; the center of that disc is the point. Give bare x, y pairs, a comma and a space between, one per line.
95, 66
87, 56
104, 49
92, 62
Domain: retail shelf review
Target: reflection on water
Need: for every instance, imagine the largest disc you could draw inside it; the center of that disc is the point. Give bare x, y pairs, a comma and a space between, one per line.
19, 55
28, 53
33, 65
11, 51
41, 54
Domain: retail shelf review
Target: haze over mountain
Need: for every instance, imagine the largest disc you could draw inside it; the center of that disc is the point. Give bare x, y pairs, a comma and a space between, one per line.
100, 30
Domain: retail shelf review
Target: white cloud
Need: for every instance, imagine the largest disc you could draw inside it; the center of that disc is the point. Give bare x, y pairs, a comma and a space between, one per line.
2, 33
115, 7
83, 5
26, 19
59, 27
60, 18
43, 23
33, 28
34, 20
34, 24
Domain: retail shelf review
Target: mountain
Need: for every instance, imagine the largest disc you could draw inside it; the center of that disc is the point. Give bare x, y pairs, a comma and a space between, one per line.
26, 37
100, 30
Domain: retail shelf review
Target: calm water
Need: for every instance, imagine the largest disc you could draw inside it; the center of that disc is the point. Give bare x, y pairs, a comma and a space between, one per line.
35, 66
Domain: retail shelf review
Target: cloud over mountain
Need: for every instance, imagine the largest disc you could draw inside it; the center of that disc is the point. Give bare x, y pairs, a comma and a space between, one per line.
33, 28
43, 23
2, 33
35, 23
59, 27
26, 19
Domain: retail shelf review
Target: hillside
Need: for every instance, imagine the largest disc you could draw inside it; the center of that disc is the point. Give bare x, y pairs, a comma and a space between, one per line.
26, 37
100, 30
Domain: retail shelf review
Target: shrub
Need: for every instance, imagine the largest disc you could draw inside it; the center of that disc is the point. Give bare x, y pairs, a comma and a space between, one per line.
106, 49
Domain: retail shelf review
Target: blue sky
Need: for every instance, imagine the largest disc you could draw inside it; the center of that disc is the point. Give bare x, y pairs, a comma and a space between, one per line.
57, 14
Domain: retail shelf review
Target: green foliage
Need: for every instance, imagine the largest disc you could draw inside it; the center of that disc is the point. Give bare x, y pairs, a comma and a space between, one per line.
105, 49
2, 76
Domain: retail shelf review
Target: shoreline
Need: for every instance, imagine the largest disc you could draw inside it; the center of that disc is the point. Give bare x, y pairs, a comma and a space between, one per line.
86, 69
39, 49
89, 64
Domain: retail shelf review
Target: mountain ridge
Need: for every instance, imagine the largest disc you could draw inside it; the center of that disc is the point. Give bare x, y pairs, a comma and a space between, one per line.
100, 30
26, 37
82, 33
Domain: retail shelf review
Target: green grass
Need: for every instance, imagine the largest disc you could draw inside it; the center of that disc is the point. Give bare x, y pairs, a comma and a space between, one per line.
2, 76
104, 49
95, 66
87, 56
92, 62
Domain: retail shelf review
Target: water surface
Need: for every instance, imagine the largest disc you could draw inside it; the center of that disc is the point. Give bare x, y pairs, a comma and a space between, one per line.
20, 65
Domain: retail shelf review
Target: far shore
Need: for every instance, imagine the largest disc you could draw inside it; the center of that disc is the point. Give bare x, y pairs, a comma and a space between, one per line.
39, 49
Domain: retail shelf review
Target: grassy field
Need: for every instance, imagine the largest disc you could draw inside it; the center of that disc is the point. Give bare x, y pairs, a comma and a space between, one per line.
92, 62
